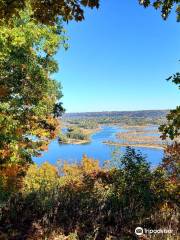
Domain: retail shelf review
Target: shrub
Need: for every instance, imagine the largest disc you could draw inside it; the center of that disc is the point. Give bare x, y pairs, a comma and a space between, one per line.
62, 138
90, 202
76, 133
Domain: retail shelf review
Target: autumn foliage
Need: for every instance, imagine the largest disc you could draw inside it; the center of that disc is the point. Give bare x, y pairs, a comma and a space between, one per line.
85, 201
73, 201
46, 11
30, 104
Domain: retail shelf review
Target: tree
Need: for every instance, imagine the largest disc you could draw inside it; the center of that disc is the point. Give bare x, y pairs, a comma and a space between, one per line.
29, 97
172, 128
165, 6
46, 11
171, 162
90, 201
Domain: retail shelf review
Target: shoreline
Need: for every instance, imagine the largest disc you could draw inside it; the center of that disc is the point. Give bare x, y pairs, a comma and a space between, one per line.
76, 142
132, 131
89, 133
133, 145
139, 126
139, 136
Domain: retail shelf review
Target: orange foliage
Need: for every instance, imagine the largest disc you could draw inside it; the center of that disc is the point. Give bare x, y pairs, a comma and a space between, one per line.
75, 172
87, 165
12, 177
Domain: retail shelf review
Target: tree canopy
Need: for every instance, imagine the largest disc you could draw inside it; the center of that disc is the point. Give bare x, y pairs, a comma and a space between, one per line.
46, 11
91, 202
164, 5
172, 128
29, 97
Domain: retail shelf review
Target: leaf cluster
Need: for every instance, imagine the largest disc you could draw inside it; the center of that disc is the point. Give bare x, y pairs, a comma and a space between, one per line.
92, 202
164, 5
46, 11
29, 96
172, 128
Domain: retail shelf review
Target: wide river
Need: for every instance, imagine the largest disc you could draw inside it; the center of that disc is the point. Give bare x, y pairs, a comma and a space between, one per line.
96, 149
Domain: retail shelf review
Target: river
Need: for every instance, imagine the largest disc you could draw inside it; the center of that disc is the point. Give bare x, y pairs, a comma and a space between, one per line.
95, 149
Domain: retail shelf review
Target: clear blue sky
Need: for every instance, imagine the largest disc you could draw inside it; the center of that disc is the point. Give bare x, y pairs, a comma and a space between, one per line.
119, 58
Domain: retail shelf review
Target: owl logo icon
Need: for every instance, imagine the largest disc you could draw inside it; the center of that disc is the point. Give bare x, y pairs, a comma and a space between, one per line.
139, 231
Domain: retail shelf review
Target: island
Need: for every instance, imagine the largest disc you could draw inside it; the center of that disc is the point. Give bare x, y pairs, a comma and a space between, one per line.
146, 136
76, 135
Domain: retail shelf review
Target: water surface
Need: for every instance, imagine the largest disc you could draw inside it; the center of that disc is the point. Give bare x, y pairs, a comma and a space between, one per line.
96, 149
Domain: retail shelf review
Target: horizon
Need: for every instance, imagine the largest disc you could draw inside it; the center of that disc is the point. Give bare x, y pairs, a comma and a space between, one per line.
119, 111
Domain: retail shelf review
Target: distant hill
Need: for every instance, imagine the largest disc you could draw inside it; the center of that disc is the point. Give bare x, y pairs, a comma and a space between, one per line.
129, 114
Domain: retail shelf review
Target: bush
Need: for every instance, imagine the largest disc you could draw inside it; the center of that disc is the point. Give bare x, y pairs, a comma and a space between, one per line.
62, 138
11, 180
76, 133
90, 202
73, 134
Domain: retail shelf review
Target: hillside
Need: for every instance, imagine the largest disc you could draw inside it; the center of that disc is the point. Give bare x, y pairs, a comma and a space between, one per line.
130, 114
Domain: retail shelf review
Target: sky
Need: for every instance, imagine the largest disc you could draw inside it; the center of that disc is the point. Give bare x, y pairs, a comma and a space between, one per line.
118, 60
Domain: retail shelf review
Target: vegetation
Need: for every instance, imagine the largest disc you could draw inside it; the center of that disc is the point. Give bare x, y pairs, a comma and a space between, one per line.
130, 118
135, 140
85, 201
85, 123
62, 138
70, 9
73, 135
139, 136
76, 133
172, 128
146, 114
47, 11
29, 97
164, 5
78, 201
